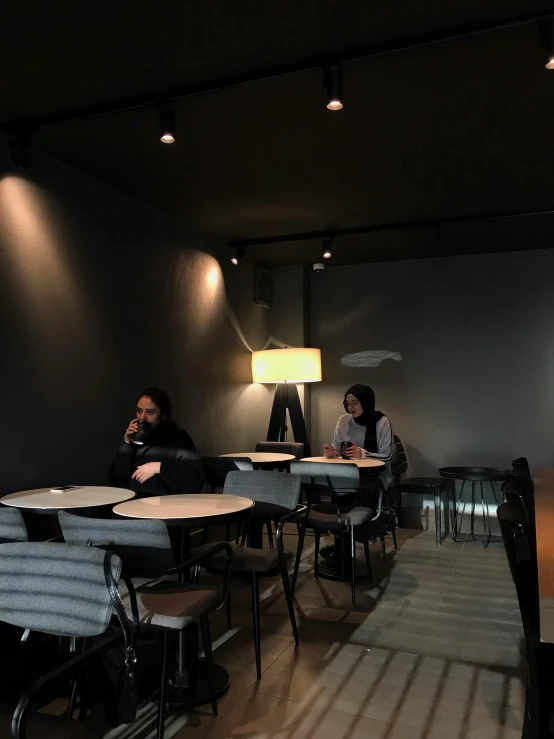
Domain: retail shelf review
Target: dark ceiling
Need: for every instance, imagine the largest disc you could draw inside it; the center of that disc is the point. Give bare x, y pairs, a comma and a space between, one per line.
463, 127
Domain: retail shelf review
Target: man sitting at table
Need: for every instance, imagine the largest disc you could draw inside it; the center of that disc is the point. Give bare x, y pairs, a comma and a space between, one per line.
166, 462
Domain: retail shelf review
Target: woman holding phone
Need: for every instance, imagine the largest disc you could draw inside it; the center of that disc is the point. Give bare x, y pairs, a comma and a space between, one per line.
369, 432
158, 458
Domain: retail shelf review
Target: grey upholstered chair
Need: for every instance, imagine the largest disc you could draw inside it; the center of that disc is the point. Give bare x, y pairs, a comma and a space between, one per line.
335, 481
216, 470
12, 525
61, 590
274, 493
161, 603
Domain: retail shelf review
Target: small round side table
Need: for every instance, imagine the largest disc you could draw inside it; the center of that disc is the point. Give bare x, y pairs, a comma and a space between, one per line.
476, 475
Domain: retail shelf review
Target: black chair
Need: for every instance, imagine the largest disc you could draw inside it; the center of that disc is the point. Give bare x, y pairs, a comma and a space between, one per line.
12, 525
522, 558
521, 468
161, 604
274, 493
436, 486
339, 517
64, 591
519, 490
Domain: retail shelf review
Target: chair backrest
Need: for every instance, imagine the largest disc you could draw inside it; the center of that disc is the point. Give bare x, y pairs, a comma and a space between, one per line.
56, 588
295, 448
326, 478
521, 468
519, 490
217, 468
399, 461
522, 558
263, 486
143, 544
12, 525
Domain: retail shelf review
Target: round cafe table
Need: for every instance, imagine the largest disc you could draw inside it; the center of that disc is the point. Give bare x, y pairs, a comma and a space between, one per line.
376, 464
186, 511
263, 459
40, 507
43, 500
476, 475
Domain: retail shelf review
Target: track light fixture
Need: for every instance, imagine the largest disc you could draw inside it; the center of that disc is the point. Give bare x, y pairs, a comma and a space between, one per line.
238, 255
546, 28
167, 125
326, 245
333, 85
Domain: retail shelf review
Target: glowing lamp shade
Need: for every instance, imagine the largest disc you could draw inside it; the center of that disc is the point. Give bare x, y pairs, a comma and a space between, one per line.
286, 365
550, 63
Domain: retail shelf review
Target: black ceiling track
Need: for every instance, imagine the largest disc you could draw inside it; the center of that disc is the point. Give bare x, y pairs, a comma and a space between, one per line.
406, 43
396, 226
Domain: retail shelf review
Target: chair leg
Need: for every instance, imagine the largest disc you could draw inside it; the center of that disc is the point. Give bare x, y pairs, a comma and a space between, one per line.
316, 560
269, 531
366, 550
299, 550
256, 623
383, 548
394, 536
353, 562
207, 642
438, 513
228, 610
163, 686
290, 603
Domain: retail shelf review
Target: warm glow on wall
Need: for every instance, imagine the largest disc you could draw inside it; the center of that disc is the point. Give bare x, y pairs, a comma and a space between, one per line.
286, 365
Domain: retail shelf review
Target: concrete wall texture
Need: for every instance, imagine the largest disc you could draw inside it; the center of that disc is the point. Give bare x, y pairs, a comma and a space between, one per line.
100, 296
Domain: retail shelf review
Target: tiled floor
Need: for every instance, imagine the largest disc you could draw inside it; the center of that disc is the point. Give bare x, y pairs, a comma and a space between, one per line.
432, 651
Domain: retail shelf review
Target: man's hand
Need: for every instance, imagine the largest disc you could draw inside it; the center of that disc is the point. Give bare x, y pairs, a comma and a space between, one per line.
145, 471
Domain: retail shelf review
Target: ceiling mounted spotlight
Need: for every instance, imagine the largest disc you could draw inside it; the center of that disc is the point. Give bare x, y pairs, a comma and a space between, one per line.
167, 125
547, 34
333, 85
239, 253
326, 245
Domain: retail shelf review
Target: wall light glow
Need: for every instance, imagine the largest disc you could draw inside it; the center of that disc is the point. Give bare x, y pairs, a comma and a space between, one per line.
371, 358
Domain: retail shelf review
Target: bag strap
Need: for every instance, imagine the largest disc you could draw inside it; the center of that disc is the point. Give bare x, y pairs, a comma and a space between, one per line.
130, 651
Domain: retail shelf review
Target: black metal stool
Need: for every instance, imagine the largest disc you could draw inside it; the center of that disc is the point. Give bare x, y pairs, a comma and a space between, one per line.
438, 486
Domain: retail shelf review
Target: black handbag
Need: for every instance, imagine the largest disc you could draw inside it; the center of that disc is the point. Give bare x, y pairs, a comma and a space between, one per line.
121, 663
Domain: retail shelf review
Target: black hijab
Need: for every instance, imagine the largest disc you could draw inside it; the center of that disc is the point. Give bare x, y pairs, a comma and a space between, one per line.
370, 417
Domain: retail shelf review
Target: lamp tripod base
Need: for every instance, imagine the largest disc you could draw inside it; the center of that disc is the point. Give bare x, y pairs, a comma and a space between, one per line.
287, 399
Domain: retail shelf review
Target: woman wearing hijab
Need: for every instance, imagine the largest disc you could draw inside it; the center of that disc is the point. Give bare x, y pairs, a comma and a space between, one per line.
368, 430
166, 461
370, 435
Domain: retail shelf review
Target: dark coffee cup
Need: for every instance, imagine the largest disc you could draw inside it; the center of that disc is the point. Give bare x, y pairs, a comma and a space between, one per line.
343, 447
142, 432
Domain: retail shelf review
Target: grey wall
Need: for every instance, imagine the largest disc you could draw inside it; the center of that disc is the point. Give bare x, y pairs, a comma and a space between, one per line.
101, 295
476, 334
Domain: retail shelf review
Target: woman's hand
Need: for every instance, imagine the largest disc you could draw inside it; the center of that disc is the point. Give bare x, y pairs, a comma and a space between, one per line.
329, 451
354, 451
131, 429
145, 471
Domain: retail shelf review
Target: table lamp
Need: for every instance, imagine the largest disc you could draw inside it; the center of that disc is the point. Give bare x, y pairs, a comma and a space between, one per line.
286, 367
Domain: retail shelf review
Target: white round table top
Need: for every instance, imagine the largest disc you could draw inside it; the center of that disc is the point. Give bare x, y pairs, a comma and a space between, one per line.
261, 457
375, 463
86, 496
183, 506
